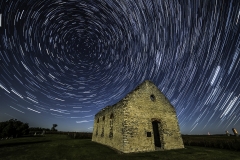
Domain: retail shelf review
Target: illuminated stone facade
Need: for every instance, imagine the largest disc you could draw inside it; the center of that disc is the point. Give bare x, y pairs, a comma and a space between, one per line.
143, 121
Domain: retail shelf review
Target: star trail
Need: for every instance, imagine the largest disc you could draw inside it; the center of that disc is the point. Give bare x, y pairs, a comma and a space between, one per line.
64, 60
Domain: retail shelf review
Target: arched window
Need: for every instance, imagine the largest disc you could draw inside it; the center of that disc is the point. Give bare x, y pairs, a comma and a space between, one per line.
98, 120
103, 118
111, 116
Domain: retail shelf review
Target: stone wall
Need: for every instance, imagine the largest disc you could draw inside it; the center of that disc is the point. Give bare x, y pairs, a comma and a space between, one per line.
109, 131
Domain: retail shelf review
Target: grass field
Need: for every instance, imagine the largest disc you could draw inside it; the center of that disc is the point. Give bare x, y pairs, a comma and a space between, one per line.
62, 147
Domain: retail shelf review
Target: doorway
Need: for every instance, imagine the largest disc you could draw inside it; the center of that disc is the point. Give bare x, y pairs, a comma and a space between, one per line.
156, 134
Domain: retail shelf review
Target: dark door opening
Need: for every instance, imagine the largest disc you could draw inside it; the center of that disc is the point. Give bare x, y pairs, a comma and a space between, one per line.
156, 134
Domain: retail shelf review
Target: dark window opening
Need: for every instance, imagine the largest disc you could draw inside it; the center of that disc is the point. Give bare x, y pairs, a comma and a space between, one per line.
152, 97
102, 134
148, 134
111, 128
103, 118
96, 131
111, 134
111, 116
98, 120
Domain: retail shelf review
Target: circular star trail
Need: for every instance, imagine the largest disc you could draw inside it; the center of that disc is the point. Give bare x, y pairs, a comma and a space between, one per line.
64, 60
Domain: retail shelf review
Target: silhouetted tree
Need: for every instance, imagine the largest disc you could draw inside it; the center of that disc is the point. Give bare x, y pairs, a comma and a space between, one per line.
13, 128
54, 127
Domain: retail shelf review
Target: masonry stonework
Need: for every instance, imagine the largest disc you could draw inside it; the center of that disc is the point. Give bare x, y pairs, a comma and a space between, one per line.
143, 121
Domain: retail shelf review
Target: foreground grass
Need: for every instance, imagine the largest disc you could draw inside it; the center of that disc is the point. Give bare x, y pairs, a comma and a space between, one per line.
61, 147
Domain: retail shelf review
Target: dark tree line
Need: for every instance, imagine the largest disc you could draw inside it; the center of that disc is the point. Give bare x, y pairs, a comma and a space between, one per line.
38, 129
13, 128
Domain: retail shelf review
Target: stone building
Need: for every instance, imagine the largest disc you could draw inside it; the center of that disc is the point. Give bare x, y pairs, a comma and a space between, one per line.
143, 121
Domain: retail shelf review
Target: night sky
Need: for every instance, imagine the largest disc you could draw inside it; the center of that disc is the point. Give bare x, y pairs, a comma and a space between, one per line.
62, 61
